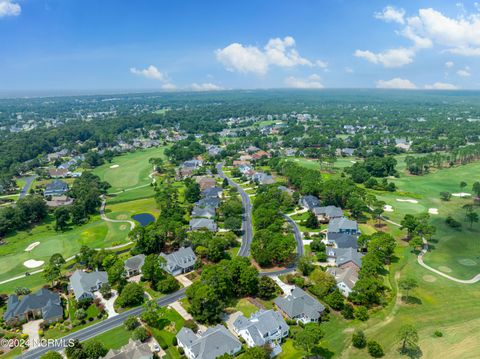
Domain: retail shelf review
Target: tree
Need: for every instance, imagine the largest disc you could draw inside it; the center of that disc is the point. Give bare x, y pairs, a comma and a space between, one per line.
410, 223
51, 355
415, 242
305, 265
152, 313
94, 349
75, 350
375, 349
131, 323
267, 288
408, 337
361, 313
445, 196
106, 291
335, 300
192, 191
407, 285
312, 220
308, 337
51, 273
141, 334
476, 189
258, 353
116, 273
131, 295
359, 340
205, 306
322, 283
463, 184
62, 216
472, 217
57, 259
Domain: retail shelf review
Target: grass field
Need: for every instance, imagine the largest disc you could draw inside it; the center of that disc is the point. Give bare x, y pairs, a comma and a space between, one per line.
132, 171
115, 338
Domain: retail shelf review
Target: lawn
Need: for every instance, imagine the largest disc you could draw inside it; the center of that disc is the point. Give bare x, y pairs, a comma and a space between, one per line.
133, 169
125, 210
166, 335
114, 338
96, 234
243, 305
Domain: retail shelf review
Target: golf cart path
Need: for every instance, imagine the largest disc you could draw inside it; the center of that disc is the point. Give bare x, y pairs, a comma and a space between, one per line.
420, 261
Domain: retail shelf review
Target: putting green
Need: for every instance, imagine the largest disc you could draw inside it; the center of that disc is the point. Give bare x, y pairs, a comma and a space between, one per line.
133, 169
467, 262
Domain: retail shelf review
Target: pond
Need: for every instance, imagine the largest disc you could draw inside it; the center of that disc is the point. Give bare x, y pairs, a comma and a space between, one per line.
144, 218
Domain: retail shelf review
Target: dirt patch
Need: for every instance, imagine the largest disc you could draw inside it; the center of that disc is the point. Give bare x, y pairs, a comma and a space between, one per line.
31, 246
429, 278
445, 269
467, 262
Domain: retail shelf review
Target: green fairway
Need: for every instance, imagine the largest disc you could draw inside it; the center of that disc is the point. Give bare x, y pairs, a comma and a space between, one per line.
456, 252
125, 210
95, 234
129, 170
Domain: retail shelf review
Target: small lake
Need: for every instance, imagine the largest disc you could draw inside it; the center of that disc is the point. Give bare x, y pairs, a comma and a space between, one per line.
144, 218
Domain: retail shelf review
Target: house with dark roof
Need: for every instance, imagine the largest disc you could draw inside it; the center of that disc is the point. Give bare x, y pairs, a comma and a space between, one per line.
180, 261
344, 257
56, 188
205, 212
202, 223
262, 178
342, 240
343, 225
300, 306
286, 190
209, 202
83, 284
212, 192
345, 277
43, 304
133, 265
214, 342
265, 327
309, 202
206, 182
325, 214
135, 349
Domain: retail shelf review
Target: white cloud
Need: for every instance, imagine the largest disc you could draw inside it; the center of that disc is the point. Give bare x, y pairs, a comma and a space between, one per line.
169, 86
349, 70
206, 86
9, 8
391, 14
151, 72
449, 64
312, 82
390, 58
441, 86
245, 59
396, 83
322, 64
465, 72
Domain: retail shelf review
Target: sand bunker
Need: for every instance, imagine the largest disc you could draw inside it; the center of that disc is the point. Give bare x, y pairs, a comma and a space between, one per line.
114, 166
123, 227
429, 278
433, 210
461, 194
407, 200
388, 208
31, 246
32, 263
122, 216
353, 161
467, 262
445, 269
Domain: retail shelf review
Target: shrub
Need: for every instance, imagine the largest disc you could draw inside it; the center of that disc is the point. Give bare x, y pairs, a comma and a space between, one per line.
140, 334
375, 349
131, 323
361, 313
438, 333
191, 324
347, 311
359, 340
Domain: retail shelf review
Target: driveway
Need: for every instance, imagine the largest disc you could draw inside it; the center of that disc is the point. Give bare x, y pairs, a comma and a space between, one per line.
186, 315
31, 328
286, 288
108, 303
182, 278
231, 319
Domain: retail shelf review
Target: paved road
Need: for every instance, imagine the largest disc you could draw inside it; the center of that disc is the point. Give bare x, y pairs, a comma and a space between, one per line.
297, 234
247, 214
105, 218
26, 187
103, 326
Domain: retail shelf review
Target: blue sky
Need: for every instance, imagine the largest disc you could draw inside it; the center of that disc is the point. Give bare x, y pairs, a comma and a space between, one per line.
208, 45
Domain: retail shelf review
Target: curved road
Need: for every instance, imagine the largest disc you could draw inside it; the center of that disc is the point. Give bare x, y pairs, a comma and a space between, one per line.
26, 187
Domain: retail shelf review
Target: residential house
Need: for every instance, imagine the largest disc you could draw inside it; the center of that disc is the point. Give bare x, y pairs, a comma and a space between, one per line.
135, 349
347, 151
133, 265
203, 223
209, 202
244, 169
194, 164
205, 212
237, 163
286, 190
83, 284
309, 202
300, 306
343, 225
345, 277
59, 201
212, 192
180, 261
261, 154
56, 188
214, 342
206, 182
344, 257
342, 240
262, 178
43, 304
325, 214
58, 173
265, 327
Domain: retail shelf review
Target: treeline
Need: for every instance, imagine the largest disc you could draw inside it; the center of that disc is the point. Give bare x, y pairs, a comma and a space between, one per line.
272, 243
28, 211
374, 166
184, 150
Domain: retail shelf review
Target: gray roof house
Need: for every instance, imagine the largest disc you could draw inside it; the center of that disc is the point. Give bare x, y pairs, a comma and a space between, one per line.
309, 202
263, 327
325, 214
135, 349
300, 306
345, 277
42, 304
203, 223
214, 342
206, 212
342, 240
192, 164
55, 188
343, 225
209, 201
263, 178
181, 261
345, 257
214, 192
133, 265
83, 284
